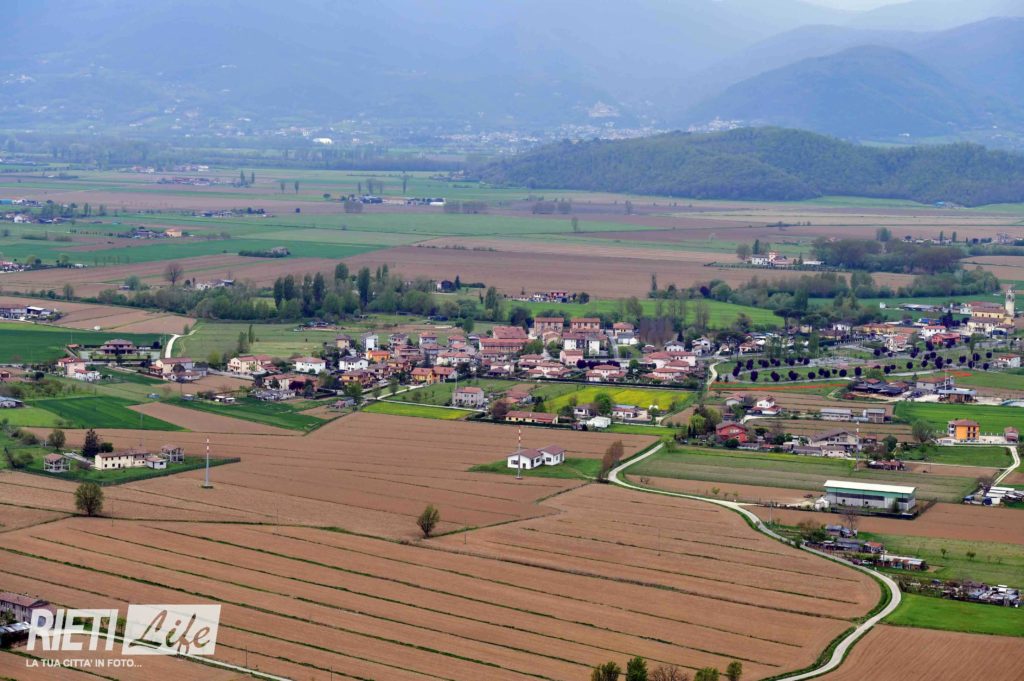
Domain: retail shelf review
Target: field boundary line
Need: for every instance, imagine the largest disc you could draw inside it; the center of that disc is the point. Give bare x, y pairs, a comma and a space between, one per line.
842, 648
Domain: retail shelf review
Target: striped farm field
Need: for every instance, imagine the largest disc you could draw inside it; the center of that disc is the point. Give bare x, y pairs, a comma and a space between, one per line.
899, 653
371, 473
540, 578
515, 602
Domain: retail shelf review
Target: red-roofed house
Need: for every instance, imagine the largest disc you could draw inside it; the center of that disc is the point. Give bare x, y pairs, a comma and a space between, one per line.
731, 431
585, 325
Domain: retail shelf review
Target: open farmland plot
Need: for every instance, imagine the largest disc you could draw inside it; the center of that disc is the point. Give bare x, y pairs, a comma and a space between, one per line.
278, 414
24, 342
101, 412
788, 471
383, 610
941, 521
424, 411
107, 317
513, 272
899, 653
365, 472
939, 613
991, 419
558, 395
813, 427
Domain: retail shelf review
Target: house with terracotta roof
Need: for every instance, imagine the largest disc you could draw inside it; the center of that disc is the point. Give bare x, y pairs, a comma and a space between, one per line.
21, 606
547, 370
963, 430
545, 324
630, 412
423, 375
605, 372
731, 431
570, 358
532, 417
585, 325
251, 365
377, 355
472, 397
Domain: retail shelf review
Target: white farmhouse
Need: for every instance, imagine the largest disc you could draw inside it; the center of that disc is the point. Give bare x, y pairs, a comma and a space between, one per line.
527, 459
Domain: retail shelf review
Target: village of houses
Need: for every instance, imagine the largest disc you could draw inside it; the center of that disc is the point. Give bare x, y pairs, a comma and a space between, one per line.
584, 352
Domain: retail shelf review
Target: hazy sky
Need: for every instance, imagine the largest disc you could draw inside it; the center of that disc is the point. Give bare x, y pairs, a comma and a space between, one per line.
854, 4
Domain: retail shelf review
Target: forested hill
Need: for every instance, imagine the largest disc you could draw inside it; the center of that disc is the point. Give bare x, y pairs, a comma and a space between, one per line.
768, 164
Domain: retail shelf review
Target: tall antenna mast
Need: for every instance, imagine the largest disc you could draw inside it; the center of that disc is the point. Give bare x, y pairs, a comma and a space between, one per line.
519, 455
206, 482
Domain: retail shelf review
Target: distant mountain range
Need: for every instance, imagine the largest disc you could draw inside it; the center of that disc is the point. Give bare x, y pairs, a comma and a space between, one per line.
898, 85
417, 67
768, 164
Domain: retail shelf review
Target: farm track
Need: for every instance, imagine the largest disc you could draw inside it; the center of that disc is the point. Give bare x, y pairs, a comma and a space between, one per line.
849, 640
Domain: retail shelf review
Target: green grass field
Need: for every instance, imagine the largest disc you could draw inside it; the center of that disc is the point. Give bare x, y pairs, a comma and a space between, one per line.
23, 342
993, 563
101, 412
991, 419
981, 455
440, 394
276, 340
788, 471
558, 395
634, 429
418, 410
30, 416
1005, 380
976, 618
720, 314
280, 414
122, 475
571, 468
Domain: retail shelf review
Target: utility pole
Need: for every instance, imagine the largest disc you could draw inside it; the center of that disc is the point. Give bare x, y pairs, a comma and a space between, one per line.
518, 457
206, 482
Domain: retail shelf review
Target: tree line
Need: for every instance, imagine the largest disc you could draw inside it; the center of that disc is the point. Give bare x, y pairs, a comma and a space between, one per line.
767, 164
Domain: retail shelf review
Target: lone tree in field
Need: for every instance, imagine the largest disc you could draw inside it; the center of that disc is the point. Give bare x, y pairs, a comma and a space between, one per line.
923, 431
668, 673
612, 457
89, 499
56, 439
734, 672
173, 272
609, 671
428, 520
91, 446
706, 674
636, 669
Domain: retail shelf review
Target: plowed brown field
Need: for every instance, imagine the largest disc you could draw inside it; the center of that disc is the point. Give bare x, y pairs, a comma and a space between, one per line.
297, 542
534, 269
902, 653
511, 602
88, 315
365, 472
